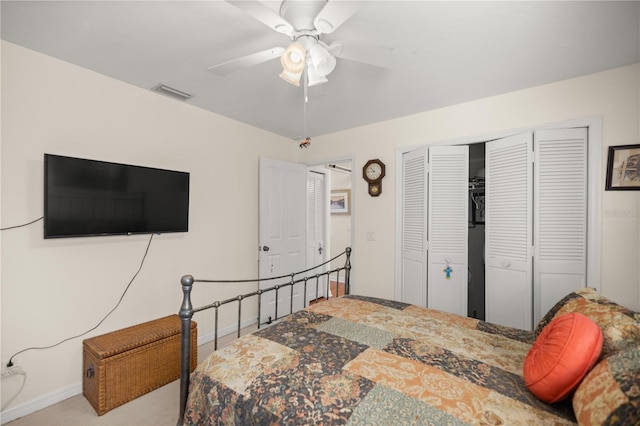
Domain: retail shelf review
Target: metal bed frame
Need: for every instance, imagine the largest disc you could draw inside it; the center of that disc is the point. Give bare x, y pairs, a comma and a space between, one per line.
302, 278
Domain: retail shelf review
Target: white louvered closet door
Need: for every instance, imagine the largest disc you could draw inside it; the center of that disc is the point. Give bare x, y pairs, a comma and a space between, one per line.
508, 237
317, 206
560, 216
413, 287
448, 211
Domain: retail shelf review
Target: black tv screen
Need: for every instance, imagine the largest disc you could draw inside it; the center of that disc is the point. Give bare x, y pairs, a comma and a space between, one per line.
88, 197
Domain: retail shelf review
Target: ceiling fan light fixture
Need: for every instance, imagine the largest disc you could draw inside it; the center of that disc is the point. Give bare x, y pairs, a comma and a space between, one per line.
323, 62
293, 59
313, 78
289, 77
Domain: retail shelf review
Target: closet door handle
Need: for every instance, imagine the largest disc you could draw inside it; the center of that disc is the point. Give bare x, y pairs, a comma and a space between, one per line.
505, 263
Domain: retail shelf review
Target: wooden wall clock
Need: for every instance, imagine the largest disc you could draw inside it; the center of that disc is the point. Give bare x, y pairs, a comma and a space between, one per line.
373, 172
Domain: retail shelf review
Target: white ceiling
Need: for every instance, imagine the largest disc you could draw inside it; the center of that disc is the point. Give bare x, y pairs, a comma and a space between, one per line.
437, 53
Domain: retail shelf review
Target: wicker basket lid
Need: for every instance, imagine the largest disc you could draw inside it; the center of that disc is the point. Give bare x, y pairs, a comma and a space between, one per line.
126, 339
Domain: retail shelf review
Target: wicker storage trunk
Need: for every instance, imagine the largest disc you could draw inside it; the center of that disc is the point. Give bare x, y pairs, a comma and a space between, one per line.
125, 364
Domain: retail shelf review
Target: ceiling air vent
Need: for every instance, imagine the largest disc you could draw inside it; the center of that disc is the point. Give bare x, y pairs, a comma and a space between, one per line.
170, 91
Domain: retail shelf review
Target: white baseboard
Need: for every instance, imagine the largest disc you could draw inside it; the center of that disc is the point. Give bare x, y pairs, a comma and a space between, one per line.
47, 400
37, 404
207, 338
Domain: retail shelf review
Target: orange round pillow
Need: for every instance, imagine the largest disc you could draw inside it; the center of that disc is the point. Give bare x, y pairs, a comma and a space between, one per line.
561, 356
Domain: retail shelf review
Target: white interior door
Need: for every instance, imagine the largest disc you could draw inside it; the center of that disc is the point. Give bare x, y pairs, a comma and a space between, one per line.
282, 229
560, 216
448, 211
508, 218
318, 181
413, 277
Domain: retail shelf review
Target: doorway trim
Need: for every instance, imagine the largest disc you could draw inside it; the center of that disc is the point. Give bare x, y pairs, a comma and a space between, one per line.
594, 189
354, 197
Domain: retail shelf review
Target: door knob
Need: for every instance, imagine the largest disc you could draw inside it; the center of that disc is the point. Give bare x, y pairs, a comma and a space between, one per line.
265, 248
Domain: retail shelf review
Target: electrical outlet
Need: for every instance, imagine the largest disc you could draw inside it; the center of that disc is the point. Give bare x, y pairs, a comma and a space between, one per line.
11, 371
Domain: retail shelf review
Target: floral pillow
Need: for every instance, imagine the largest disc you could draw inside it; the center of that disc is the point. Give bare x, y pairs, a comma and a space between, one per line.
620, 326
610, 393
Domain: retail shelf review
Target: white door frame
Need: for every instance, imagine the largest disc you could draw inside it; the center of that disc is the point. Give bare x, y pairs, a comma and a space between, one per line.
594, 215
354, 254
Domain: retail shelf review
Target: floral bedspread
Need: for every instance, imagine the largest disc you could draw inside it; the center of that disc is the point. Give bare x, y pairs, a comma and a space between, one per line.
364, 361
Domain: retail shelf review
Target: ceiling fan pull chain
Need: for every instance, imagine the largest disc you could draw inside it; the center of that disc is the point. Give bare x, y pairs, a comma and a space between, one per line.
306, 142
306, 101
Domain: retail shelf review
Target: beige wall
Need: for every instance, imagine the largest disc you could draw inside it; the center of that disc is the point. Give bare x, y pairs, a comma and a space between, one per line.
55, 289
613, 95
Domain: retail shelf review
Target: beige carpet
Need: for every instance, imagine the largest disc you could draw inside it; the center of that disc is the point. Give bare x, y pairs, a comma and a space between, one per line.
157, 408
160, 407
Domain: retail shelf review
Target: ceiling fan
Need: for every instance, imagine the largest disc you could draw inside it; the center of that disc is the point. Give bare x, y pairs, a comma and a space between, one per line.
304, 22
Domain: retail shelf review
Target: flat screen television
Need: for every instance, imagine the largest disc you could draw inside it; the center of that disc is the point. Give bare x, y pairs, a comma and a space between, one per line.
87, 198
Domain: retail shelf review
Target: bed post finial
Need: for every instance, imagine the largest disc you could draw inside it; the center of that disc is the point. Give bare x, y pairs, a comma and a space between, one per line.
185, 314
186, 280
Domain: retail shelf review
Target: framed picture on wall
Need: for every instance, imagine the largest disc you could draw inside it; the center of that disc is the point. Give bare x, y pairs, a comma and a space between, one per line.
341, 201
623, 168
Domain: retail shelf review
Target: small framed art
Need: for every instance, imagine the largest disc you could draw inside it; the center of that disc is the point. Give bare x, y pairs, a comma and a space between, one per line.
623, 168
341, 201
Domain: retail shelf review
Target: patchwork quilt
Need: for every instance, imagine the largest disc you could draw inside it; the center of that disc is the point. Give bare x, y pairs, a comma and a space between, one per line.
363, 361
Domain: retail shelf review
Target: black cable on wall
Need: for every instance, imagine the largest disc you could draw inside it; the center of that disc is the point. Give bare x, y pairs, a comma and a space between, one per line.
10, 363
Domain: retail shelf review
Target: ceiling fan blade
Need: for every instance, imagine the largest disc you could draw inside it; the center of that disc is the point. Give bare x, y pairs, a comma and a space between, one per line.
334, 14
264, 14
246, 61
